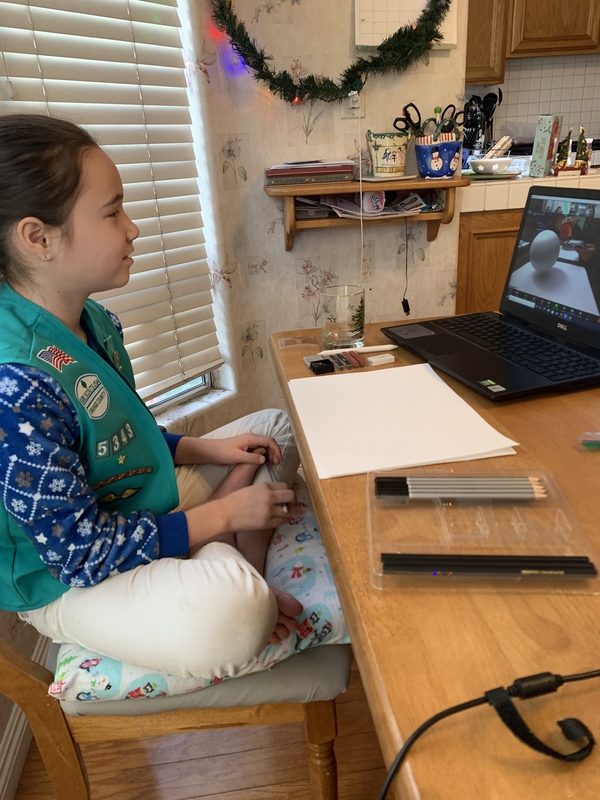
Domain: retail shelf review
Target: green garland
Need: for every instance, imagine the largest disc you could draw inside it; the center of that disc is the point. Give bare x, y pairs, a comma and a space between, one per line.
394, 54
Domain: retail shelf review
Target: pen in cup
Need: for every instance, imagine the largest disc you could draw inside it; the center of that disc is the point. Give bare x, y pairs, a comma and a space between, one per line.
273, 479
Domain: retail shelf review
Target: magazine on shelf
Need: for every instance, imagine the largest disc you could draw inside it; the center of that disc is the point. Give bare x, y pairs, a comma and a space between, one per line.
345, 207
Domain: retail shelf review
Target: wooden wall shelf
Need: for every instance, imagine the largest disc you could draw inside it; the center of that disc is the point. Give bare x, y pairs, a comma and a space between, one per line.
289, 192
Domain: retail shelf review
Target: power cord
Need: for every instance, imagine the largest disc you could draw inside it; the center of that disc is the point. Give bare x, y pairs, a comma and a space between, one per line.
531, 686
360, 194
405, 303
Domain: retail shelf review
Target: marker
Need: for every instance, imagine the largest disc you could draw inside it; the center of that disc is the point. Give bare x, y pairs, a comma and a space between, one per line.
380, 348
590, 440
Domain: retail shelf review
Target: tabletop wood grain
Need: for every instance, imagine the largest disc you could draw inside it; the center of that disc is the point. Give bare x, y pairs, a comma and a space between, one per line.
420, 651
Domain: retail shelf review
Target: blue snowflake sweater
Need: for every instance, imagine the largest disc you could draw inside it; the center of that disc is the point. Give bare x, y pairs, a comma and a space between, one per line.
77, 540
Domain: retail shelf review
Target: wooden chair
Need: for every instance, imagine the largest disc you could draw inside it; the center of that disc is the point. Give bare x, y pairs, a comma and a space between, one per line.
312, 679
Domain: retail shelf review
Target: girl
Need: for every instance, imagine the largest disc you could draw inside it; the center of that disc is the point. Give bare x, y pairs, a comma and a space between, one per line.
95, 520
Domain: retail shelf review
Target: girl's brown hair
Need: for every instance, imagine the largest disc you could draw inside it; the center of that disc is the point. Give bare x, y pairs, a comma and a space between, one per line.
40, 175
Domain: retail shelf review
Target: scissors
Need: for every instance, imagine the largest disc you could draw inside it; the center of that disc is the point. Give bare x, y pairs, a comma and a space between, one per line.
450, 118
441, 123
407, 123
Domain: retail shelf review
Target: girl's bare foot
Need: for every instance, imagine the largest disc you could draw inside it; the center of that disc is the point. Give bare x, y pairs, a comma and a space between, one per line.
288, 609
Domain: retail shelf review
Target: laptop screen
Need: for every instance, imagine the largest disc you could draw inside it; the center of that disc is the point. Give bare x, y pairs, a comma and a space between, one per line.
554, 277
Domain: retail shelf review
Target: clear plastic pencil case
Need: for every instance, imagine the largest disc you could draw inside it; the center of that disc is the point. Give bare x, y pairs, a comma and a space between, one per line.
458, 527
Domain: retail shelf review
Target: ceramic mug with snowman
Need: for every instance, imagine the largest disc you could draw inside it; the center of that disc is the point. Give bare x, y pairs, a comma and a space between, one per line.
438, 159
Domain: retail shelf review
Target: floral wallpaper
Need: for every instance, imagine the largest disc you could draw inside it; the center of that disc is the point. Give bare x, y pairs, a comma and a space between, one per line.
311, 282
258, 287
232, 159
253, 342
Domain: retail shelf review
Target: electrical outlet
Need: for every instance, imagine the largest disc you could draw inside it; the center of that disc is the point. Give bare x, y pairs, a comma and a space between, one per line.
353, 107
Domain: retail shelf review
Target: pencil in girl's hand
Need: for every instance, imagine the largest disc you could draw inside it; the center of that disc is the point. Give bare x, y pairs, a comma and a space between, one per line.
457, 487
273, 479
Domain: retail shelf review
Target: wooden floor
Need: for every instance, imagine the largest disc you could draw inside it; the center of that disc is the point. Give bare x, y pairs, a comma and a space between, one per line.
267, 763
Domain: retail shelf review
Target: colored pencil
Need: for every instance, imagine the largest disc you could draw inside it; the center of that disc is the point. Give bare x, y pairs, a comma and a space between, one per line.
466, 487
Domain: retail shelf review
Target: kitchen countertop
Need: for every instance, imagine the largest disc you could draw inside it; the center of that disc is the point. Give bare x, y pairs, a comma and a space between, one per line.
499, 195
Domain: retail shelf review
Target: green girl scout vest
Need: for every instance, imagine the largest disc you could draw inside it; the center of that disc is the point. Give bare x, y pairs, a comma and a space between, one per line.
127, 461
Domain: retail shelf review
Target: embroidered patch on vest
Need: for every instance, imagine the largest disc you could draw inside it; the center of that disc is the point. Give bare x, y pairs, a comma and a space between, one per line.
121, 476
92, 395
56, 357
116, 442
125, 495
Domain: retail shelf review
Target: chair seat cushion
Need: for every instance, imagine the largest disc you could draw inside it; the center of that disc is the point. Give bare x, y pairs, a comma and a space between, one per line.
296, 563
320, 673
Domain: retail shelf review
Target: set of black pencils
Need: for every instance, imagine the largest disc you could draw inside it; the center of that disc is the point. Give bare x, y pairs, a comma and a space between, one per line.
489, 566
462, 487
477, 489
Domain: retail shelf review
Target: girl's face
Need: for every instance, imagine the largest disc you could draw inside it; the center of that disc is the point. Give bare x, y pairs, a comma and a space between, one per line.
95, 254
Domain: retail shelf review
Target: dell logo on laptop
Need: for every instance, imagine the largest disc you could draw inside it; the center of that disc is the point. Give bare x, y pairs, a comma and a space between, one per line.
562, 326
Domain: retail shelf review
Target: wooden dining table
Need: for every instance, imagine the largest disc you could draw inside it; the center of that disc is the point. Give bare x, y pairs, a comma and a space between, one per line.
422, 650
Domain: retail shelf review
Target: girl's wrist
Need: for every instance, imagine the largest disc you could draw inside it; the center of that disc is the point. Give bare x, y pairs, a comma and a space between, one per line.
190, 450
207, 521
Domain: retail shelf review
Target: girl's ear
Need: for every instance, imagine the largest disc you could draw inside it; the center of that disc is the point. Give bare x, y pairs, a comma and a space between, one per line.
34, 239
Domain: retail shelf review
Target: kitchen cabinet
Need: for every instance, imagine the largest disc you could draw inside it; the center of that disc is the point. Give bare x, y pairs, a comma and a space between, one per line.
553, 27
499, 29
487, 32
288, 194
485, 248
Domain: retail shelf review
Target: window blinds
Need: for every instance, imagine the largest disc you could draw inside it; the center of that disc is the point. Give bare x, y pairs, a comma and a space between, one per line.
116, 68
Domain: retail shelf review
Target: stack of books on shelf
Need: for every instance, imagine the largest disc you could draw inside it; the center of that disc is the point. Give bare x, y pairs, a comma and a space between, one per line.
309, 172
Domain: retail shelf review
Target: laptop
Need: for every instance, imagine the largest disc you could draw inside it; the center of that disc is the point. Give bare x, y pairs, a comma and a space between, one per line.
546, 335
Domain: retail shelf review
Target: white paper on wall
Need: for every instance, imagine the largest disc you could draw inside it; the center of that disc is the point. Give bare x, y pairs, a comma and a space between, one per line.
375, 20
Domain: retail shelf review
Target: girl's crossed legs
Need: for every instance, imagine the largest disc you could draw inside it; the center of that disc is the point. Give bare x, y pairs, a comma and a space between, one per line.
210, 615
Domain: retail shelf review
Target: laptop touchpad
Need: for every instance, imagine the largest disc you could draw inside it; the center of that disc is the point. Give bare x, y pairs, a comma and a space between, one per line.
435, 342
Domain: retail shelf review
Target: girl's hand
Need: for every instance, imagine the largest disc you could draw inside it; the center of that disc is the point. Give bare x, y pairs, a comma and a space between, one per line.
225, 452
252, 508
264, 505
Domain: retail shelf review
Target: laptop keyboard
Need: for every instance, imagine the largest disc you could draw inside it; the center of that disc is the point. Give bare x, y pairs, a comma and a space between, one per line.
550, 359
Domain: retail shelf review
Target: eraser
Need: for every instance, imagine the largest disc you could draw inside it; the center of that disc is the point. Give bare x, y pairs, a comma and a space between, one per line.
382, 358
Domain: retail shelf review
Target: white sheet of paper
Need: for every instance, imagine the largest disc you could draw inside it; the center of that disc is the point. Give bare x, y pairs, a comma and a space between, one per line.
389, 419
